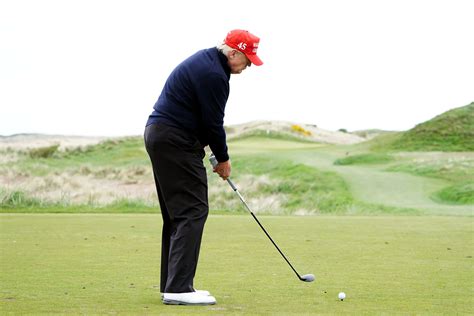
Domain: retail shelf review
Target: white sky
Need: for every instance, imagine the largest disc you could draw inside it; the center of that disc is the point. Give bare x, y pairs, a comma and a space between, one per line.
97, 67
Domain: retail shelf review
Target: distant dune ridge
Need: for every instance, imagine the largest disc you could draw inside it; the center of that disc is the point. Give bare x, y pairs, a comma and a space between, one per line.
279, 128
28, 141
452, 130
295, 130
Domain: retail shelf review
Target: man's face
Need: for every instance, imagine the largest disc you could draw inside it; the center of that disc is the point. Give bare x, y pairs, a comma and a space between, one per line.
237, 62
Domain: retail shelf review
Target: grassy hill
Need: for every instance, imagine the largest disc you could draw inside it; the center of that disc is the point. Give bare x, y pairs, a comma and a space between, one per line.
439, 148
281, 171
450, 131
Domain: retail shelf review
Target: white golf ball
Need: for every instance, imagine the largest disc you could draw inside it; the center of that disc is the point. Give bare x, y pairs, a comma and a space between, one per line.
342, 296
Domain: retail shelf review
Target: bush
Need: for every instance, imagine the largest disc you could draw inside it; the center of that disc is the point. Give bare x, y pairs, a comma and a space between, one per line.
300, 130
17, 199
461, 193
43, 152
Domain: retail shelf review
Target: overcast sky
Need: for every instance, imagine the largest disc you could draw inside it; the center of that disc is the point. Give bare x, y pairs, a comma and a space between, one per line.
97, 67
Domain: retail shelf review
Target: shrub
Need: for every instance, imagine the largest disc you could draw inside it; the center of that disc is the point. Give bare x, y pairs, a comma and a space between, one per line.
300, 130
461, 193
43, 152
17, 199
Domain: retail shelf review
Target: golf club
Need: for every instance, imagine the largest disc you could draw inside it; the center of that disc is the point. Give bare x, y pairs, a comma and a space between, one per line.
306, 277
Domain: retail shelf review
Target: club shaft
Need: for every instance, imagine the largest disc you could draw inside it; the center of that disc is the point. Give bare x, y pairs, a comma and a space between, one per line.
261, 226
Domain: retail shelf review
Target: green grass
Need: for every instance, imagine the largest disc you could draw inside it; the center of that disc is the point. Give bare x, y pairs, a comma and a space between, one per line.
19, 202
370, 132
457, 171
461, 193
449, 131
18, 199
368, 158
302, 189
446, 168
381, 143
305, 187
109, 264
43, 152
278, 176
123, 153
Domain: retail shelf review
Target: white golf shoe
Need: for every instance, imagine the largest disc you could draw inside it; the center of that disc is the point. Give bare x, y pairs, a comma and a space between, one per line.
189, 298
203, 292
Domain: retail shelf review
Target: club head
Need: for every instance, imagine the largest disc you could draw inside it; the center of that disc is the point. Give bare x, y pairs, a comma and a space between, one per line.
307, 278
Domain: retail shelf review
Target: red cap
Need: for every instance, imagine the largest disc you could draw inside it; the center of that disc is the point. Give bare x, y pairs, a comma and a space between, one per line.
245, 42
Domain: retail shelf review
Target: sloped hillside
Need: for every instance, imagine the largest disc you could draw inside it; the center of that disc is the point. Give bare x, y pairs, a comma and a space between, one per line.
451, 131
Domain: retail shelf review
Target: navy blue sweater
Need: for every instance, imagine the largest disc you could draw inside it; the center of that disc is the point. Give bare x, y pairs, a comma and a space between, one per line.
194, 99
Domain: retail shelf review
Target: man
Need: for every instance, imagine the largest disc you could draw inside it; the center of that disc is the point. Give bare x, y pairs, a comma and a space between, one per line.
188, 116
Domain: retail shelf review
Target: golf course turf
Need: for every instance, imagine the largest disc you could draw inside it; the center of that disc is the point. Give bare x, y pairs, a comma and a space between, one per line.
80, 229
109, 264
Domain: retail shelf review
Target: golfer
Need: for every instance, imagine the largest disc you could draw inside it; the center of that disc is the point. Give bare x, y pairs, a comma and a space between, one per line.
188, 116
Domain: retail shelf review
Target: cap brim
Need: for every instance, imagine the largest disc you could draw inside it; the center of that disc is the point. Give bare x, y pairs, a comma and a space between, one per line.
255, 60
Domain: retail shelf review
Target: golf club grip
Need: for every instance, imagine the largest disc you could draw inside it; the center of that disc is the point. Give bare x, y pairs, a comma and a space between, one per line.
213, 160
231, 184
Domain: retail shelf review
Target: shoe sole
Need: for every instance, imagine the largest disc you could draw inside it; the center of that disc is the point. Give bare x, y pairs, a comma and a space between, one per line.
173, 302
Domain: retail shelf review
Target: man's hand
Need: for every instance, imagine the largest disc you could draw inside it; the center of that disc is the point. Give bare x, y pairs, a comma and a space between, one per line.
223, 169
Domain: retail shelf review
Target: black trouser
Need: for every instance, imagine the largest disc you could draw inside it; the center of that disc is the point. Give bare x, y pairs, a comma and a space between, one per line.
181, 184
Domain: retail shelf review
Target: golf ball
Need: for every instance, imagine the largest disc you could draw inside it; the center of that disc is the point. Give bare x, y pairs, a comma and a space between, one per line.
342, 296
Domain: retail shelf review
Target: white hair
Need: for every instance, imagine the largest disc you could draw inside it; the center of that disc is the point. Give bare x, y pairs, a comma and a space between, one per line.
225, 49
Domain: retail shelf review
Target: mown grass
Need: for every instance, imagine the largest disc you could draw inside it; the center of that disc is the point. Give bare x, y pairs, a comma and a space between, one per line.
452, 131
305, 190
365, 159
459, 172
109, 264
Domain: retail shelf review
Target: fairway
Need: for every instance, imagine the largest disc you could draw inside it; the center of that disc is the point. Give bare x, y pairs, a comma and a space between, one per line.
109, 264
371, 184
